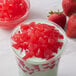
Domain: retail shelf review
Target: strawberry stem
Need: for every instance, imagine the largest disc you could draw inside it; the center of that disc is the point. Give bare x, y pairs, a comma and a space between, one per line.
58, 12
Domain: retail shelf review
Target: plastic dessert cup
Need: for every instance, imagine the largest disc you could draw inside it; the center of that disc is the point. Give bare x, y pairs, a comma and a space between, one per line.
38, 66
13, 12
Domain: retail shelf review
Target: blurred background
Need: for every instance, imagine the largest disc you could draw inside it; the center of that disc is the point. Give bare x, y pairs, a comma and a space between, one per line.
39, 9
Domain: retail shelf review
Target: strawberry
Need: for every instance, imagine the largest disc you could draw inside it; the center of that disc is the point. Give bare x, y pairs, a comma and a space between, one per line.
71, 28
57, 17
69, 7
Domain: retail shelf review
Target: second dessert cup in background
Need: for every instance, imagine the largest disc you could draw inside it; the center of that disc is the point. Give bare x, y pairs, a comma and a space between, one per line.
10, 24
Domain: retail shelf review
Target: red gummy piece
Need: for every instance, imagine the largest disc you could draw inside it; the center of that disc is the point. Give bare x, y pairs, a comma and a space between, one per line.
28, 55
40, 39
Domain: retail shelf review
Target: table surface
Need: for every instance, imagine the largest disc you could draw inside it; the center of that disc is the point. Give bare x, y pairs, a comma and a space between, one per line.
39, 10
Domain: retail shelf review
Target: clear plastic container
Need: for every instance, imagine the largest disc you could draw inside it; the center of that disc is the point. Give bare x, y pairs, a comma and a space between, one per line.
13, 12
40, 68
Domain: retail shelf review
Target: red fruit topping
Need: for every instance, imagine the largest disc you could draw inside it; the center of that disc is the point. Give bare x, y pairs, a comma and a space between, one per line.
71, 27
12, 9
57, 17
41, 40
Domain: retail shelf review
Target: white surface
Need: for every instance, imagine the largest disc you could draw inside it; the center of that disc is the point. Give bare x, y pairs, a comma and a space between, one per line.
39, 9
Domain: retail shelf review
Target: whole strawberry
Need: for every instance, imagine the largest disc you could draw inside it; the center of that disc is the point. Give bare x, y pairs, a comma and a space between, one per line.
71, 27
57, 17
69, 7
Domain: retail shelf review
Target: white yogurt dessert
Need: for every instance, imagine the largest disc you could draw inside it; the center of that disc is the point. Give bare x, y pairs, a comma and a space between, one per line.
38, 45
